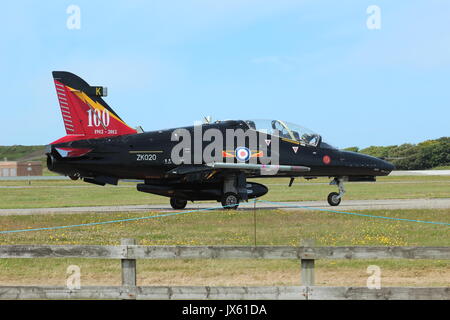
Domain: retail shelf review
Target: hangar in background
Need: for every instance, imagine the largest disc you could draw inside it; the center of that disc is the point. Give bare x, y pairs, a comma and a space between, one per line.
22, 168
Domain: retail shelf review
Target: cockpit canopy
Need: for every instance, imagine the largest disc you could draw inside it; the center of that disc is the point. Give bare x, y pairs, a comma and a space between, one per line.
286, 130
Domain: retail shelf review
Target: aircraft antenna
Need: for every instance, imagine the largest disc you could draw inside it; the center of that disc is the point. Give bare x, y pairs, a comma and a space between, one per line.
207, 119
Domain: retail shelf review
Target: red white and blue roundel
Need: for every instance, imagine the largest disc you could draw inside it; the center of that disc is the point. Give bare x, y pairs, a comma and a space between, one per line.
242, 154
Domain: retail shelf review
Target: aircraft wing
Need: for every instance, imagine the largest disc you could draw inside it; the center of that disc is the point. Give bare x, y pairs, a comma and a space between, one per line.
223, 166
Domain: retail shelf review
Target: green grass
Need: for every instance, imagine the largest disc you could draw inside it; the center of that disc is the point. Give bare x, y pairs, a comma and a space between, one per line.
224, 272
67, 193
442, 168
274, 227
46, 172
384, 189
16, 152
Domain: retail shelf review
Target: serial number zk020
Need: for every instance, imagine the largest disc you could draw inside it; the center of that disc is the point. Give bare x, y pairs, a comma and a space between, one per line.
145, 157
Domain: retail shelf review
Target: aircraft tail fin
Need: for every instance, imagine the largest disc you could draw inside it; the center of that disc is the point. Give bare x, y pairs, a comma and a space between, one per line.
85, 114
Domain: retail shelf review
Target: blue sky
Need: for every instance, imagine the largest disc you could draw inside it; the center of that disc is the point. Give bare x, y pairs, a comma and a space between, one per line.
169, 63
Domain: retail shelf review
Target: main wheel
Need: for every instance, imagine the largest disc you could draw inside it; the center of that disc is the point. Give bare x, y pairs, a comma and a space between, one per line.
178, 203
230, 201
333, 199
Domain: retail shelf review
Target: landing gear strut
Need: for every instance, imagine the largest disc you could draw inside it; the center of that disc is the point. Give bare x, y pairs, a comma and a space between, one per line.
75, 176
334, 198
234, 190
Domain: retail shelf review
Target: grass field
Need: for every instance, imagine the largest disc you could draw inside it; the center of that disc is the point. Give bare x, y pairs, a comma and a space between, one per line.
274, 227
442, 168
41, 194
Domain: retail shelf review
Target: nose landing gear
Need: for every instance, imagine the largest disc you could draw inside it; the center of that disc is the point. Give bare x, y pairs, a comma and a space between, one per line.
334, 198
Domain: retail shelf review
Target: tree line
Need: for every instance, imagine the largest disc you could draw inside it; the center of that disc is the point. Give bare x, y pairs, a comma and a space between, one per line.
425, 155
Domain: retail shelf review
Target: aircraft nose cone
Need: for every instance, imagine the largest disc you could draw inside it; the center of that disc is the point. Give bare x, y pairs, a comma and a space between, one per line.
385, 166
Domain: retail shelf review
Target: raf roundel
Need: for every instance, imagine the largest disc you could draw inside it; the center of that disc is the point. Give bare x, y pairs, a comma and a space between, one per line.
242, 154
326, 159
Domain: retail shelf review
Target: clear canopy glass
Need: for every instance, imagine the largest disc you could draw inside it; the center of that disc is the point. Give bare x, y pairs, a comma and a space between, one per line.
285, 129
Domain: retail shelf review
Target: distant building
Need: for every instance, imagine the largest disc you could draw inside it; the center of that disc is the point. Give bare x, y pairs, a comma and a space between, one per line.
23, 168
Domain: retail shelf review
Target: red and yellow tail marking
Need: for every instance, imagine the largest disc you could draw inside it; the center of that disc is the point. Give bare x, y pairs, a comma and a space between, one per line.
92, 104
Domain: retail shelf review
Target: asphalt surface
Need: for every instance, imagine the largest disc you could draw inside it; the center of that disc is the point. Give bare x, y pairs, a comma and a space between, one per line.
346, 205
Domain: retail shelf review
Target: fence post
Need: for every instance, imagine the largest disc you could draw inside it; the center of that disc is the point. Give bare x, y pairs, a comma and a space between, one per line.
307, 265
128, 266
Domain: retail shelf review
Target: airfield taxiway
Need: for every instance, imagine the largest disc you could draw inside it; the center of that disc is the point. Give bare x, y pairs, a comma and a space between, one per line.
346, 205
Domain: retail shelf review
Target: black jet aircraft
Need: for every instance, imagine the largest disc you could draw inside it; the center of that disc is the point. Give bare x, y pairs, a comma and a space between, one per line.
100, 148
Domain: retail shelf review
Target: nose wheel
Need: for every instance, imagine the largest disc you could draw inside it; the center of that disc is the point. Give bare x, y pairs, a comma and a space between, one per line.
334, 198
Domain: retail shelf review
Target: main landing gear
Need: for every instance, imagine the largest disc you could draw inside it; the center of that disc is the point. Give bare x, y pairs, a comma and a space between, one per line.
230, 201
334, 198
234, 190
178, 204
